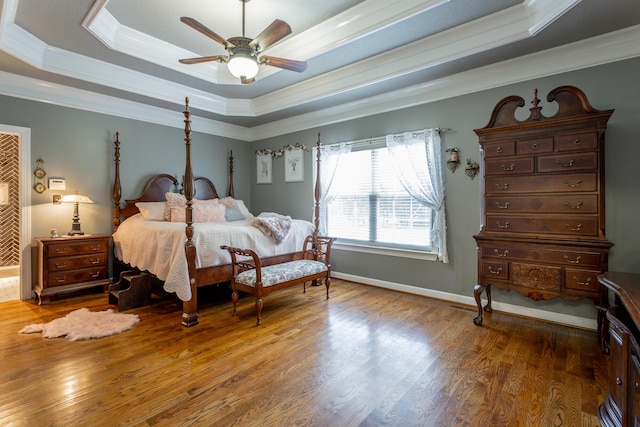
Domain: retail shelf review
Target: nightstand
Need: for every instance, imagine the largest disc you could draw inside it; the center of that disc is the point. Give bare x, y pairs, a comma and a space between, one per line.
71, 263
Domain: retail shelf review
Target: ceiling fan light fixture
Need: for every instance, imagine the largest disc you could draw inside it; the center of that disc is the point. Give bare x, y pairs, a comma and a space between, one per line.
242, 64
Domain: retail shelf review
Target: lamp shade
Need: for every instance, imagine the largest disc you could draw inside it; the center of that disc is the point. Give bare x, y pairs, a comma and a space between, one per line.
243, 65
75, 198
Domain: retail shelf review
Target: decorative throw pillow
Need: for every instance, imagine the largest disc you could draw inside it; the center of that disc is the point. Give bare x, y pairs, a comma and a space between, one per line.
233, 214
203, 211
230, 202
174, 200
152, 211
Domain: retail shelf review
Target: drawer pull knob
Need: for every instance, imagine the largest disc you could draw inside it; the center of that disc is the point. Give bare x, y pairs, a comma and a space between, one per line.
577, 184
61, 279
577, 228
573, 261
505, 206
576, 206
61, 251
510, 168
95, 248
502, 187
506, 224
568, 164
618, 381
586, 283
576, 141
502, 254
95, 261
499, 149
534, 146
63, 265
492, 271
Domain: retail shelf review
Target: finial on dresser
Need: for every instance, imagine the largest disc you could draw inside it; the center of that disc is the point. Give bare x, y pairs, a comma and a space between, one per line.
535, 111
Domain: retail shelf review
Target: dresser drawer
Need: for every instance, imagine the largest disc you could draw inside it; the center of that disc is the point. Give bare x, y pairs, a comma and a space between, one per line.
565, 183
568, 258
77, 276
76, 248
535, 146
499, 149
581, 280
495, 269
509, 166
575, 226
577, 142
541, 277
568, 162
587, 203
72, 263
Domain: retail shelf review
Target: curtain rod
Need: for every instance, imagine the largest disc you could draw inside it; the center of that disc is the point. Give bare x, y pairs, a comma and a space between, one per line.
381, 139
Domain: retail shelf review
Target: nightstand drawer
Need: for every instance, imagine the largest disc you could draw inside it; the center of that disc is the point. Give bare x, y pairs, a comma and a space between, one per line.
77, 276
73, 263
76, 248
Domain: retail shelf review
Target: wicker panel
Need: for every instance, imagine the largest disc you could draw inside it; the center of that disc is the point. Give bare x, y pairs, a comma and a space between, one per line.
10, 213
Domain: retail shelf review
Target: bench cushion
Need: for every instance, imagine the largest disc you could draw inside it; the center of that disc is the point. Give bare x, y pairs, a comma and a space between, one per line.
278, 273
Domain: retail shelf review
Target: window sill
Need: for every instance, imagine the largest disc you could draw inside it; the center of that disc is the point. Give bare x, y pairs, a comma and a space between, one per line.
402, 253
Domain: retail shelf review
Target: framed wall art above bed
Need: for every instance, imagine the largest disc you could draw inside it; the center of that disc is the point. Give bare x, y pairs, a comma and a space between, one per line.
294, 165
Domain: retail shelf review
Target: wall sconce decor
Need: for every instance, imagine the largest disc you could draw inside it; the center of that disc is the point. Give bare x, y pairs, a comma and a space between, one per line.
75, 199
39, 173
453, 162
472, 169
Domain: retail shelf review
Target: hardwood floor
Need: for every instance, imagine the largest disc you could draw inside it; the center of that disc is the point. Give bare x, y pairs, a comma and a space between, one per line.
367, 357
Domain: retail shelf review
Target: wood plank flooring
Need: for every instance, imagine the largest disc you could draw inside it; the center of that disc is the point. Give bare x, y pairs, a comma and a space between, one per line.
366, 357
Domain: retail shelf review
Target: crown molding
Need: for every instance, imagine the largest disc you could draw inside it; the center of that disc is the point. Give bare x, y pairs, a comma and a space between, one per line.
583, 54
482, 34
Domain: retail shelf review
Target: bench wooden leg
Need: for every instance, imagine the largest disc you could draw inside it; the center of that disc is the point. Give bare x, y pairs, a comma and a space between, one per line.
327, 284
258, 311
234, 299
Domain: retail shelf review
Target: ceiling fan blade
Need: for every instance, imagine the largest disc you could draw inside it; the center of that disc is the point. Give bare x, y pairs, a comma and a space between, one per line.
206, 31
273, 33
246, 81
287, 64
221, 58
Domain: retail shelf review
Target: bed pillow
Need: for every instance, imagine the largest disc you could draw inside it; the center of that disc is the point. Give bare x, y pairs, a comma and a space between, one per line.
152, 211
203, 211
233, 214
173, 200
230, 202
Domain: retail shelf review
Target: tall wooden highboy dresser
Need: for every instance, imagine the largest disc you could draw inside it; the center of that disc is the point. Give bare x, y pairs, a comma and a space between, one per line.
543, 231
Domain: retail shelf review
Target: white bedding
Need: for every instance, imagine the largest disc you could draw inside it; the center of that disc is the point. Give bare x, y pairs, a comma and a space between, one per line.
158, 246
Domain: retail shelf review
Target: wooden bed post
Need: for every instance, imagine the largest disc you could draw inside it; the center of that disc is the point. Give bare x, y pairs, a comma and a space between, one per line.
231, 192
316, 193
117, 187
189, 308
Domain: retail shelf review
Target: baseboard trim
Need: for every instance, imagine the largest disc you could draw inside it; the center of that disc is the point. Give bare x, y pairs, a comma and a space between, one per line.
547, 316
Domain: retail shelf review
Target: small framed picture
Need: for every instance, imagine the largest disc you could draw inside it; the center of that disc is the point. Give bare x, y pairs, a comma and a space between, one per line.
294, 165
264, 168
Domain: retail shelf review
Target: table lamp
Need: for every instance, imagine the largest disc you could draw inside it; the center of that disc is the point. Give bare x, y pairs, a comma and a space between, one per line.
76, 199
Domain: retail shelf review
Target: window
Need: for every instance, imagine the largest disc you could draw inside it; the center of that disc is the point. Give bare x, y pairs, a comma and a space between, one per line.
371, 207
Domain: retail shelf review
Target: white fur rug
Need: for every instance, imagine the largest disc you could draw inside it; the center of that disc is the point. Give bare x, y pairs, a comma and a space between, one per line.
83, 324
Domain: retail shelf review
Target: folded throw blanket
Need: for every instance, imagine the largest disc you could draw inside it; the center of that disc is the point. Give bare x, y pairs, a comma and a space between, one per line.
273, 224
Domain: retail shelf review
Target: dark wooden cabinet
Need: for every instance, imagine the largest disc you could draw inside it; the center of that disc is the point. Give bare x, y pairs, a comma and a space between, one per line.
67, 264
621, 407
543, 224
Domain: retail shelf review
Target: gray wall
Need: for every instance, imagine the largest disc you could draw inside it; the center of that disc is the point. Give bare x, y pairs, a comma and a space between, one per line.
609, 86
78, 145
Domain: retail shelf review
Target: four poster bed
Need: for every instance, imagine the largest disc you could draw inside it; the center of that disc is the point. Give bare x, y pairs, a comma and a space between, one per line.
159, 247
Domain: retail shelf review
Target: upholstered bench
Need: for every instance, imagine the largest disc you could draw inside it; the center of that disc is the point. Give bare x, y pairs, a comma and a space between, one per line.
251, 277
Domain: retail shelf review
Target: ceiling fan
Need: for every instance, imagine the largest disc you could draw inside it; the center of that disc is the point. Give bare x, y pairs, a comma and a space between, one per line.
242, 58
